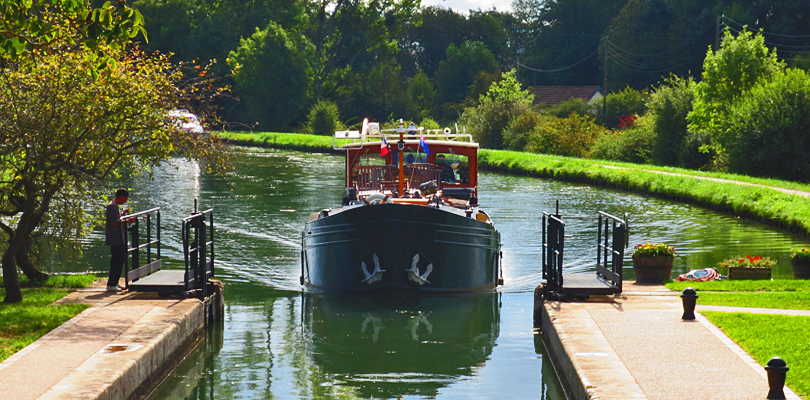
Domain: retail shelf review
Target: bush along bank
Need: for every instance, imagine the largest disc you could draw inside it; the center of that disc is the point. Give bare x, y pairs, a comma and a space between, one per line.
771, 206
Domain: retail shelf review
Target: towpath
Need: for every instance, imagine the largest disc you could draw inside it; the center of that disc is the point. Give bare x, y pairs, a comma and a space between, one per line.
707, 178
109, 351
636, 346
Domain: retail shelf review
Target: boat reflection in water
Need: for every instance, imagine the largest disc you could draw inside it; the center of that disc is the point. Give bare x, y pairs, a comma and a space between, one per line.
388, 347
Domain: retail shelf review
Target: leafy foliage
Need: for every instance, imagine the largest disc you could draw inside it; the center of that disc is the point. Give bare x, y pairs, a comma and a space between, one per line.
66, 134
635, 144
465, 69
668, 107
524, 126
736, 67
323, 118
571, 106
765, 132
273, 76
496, 109
623, 103
573, 136
41, 24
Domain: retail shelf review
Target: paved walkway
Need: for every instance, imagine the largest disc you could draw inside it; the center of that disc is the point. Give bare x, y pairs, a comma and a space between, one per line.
637, 347
94, 355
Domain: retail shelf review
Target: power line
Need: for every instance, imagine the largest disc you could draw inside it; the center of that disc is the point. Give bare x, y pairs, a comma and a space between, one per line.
563, 68
767, 33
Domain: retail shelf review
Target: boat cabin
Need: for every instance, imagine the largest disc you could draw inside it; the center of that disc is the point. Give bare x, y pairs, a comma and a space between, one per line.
395, 164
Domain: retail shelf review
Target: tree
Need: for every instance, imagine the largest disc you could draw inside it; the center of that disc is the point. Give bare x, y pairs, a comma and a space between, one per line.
739, 63
457, 75
564, 35
67, 133
668, 107
344, 31
654, 38
420, 96
44, 24
496, 109
765, 133
273, 77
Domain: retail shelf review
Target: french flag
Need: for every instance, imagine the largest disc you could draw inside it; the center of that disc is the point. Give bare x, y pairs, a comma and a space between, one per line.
423, 143
384, 147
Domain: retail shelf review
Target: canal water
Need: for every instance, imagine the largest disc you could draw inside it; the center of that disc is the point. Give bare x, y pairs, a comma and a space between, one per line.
277, 342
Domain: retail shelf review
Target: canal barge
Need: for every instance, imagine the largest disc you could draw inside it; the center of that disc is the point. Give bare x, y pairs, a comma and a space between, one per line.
409, 220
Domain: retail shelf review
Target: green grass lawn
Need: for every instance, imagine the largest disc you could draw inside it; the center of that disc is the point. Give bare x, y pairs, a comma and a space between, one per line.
777, 285
764, 336
783, 300
23, 323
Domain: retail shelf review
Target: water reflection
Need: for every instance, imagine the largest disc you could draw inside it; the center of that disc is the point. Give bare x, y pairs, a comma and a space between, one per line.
322, 346
390, 347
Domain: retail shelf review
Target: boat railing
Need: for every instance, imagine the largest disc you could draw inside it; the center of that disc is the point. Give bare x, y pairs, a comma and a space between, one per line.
392, 136
381, 178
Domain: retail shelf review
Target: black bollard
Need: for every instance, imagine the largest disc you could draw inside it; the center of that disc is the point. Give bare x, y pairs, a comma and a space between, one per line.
777, 372
689, 298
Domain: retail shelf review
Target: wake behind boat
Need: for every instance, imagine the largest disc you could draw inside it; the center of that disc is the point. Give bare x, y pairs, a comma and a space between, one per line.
409, 221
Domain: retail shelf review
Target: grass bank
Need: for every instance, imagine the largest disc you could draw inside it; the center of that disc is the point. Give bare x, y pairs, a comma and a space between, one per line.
776, 285
787, 211
23, 323
785, 337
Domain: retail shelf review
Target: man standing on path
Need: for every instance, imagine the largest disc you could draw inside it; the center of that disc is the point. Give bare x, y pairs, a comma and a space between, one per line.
115, 238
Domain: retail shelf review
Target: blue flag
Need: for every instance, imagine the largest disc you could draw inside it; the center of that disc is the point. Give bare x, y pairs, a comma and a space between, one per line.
423, 143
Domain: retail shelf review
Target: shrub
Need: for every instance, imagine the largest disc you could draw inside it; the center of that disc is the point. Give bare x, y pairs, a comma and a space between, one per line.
570, 106
323, 118
428, 123
635, 144
765, 133
668, 107
496, 109
573, 136
621, 104
520, 129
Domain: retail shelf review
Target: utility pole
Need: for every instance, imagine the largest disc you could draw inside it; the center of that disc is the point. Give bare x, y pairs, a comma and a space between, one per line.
604, 87
717, 35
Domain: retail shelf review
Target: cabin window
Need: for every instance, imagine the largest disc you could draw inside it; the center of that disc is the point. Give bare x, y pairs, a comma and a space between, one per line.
371, 159
415, 158
455, 167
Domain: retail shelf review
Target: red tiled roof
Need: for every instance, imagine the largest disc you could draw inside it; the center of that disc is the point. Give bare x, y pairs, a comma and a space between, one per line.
551, 95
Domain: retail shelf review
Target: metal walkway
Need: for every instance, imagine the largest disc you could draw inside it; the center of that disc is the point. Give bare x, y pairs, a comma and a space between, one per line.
198, 250
607, 280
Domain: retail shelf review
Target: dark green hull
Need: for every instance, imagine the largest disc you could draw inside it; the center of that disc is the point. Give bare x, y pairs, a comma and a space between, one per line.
460, 252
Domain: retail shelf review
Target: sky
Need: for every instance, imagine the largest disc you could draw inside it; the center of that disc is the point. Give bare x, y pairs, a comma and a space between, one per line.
465, 5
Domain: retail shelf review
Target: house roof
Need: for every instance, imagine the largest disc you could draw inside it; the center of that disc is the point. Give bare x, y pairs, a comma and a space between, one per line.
551, 95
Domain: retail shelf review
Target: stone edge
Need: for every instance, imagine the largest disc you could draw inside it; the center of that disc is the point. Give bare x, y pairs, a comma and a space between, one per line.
133, 374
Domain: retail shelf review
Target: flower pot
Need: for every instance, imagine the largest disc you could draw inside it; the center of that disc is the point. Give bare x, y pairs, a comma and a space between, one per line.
750, 273
801, 268
652, 269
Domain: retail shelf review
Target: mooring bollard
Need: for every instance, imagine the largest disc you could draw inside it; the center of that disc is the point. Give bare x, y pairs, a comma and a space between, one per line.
689, 298
777, 372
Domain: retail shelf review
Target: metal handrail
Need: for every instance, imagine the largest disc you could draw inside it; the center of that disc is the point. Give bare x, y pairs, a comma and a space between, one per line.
552, 252
195, 245
616, 229
136, 247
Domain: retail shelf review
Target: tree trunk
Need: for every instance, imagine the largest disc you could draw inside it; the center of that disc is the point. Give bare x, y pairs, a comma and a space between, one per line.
11, 281
33, 273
